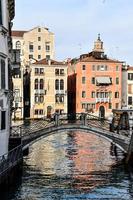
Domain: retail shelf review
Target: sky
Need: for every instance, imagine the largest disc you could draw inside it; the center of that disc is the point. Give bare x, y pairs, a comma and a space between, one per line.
76, 24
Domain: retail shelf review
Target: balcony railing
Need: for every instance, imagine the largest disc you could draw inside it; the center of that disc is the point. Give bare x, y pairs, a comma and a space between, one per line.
104, 100
40, 91
60, 92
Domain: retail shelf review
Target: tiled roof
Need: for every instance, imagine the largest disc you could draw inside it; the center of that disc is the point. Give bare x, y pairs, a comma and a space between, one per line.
18, 33
93, 59
130, 68
45, 62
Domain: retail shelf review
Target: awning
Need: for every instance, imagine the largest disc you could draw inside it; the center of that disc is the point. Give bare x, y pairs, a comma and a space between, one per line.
103, 80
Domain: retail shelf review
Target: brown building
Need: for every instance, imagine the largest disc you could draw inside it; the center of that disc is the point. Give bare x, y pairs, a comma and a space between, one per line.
94, 82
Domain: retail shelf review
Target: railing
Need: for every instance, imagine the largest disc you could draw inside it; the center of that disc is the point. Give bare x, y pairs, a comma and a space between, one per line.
9, 160
102, 100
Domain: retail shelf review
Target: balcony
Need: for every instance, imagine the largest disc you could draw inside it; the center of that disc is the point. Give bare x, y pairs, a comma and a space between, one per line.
59, 92
39, 91
103, 100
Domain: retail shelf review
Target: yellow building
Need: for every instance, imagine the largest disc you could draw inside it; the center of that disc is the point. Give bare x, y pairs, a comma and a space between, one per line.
48, 88
34, 44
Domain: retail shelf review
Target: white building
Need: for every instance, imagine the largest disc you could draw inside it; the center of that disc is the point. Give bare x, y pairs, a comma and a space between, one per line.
6, 15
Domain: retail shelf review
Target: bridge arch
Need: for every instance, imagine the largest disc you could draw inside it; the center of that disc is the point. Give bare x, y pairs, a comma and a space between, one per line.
111, 137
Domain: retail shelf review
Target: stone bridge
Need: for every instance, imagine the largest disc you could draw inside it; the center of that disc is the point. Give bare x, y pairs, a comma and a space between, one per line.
87, 123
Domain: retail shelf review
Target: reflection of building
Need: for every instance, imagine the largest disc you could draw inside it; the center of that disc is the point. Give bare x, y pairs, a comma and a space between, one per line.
6, 16
48, 88
94, 82
34, 44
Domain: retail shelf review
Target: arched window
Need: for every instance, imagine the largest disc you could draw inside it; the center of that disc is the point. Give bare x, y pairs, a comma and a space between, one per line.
36, 84
18, 45
57, 84
41, 84
61, 84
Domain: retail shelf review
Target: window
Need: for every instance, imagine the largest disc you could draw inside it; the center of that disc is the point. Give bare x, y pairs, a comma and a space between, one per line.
129, 100
31, 47
41, 70
18, 45
1, 20
3, 76
93, 80
39, 38
110, 105
47, 47
110, 94
41, 84
47, 57
59, 98
83, 105
61, 84
39, 47
36, 98
41, 112
39, 29
36, 84
93, 67
39, 56
39, 98
38, 112
61, 71
117, 105
36, 70
130, 76
83, 67
83, 80
98, 67
92, 94
83, 94
102, 67
30, 56
116, 94
56, 71
117, 81
117, 68
57, 84
3, 120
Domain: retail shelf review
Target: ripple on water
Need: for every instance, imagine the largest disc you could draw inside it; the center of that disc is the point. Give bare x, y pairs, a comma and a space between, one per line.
73, 165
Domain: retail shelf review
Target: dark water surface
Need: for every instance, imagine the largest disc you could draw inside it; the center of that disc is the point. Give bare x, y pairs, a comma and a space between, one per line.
74, 165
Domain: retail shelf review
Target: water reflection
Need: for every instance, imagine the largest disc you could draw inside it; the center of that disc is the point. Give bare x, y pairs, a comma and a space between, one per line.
74, 165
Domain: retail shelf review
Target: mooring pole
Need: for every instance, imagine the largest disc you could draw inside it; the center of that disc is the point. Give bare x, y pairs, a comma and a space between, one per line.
129, 158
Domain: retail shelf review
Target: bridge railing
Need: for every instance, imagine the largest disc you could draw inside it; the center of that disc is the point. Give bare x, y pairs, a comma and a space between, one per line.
10, 159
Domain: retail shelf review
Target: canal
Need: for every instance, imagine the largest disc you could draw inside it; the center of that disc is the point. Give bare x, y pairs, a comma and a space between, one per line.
72, 166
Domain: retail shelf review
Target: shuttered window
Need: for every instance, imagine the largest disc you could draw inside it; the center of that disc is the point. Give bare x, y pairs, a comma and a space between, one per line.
3, 78
3, 120
1, 13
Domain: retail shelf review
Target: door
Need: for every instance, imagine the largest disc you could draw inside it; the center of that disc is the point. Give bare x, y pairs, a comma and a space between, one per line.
49, 108
102, 112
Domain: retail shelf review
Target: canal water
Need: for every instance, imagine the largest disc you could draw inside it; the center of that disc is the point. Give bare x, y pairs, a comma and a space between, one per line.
71, 166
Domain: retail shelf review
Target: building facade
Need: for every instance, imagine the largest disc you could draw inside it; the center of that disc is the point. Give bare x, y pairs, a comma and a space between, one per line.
7, 12
127, 87
48, 88
95, 82
34, 44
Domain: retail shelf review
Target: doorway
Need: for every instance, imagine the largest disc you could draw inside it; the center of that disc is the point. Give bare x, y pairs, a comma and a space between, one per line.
49, 109
102, 112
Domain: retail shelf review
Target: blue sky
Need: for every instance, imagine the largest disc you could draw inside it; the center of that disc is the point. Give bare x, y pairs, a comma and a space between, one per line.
76, 24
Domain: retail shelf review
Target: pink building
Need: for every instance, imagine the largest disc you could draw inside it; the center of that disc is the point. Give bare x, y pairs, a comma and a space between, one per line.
94, 83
